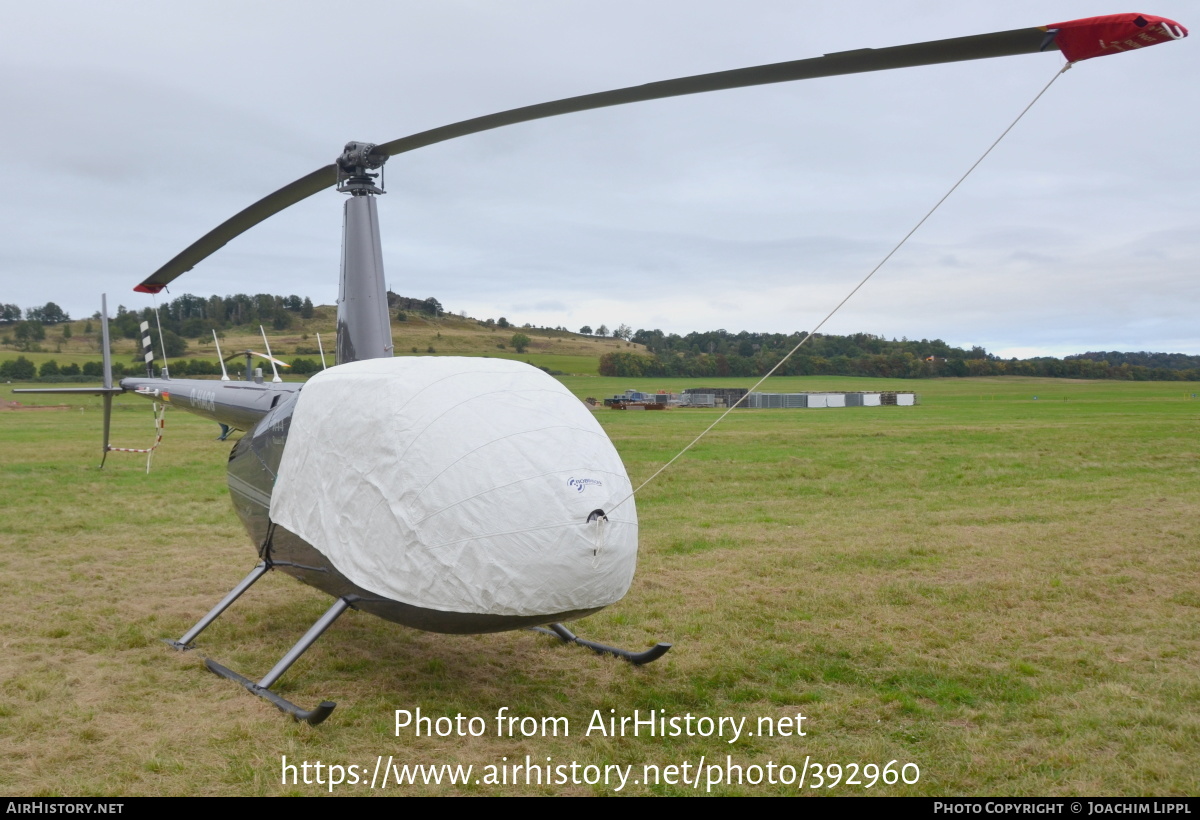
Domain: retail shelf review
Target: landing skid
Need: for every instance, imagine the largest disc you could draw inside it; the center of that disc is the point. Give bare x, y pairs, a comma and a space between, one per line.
263, 687
312, 717
636, 658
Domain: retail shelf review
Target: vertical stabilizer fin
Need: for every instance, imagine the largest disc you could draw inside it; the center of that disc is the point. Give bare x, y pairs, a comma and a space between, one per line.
107, 425
106, 353
107, 390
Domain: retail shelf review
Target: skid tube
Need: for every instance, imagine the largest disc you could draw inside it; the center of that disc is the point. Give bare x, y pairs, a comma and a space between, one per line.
636, 658
263, 687
312, 718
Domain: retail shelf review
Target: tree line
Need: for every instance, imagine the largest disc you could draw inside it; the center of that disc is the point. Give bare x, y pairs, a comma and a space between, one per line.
187, 316
23, 370
192, 316
47, 314
700, 354
719, 353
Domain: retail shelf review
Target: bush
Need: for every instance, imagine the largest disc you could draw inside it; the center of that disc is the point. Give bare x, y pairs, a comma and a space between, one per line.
302, 367
18, 369
176, 345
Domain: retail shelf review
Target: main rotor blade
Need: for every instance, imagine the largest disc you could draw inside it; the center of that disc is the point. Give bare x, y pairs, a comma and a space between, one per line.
976, 47
238, 224
1079, 45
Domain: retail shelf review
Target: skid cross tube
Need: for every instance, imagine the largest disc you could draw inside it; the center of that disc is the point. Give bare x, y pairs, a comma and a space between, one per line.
636, 658
262, 688
185, 643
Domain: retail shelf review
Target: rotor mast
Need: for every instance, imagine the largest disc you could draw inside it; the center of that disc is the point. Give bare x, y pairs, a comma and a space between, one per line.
364, 329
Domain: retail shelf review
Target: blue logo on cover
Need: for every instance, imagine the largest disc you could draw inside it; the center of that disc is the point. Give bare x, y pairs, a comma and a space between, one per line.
580, 483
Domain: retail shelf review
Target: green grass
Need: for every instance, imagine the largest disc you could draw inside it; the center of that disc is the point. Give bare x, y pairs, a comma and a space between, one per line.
1000, 590
575, 365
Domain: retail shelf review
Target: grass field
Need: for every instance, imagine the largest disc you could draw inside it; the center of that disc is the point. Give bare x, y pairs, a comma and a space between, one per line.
1000, 590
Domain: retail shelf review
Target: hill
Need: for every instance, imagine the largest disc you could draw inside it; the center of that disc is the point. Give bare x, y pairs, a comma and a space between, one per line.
78, 342
421, 328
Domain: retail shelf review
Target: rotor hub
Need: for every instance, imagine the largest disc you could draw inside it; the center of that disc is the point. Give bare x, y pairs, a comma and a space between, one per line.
354, 167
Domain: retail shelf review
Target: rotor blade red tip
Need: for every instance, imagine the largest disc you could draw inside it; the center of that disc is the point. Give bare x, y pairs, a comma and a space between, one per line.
1113, 33
144, 288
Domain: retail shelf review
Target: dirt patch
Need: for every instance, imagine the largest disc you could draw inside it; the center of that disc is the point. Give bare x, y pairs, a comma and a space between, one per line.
16, 405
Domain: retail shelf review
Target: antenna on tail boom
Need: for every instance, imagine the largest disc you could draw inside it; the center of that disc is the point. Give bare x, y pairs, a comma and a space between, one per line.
162, 342
270, 357
224, 373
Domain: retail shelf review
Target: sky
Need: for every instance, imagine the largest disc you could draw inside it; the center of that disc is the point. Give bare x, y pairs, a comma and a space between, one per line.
131, 129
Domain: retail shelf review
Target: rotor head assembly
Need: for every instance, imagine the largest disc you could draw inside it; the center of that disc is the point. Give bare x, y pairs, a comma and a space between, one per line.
354, 166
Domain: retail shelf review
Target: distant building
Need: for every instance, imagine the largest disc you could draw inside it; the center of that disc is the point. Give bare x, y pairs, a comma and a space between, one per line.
713, 396
856, 399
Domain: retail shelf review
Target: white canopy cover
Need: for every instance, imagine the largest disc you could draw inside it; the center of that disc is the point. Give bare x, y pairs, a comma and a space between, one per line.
470, 492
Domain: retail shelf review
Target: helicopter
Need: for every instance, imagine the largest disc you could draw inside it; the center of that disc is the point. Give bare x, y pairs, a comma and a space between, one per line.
461, 495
